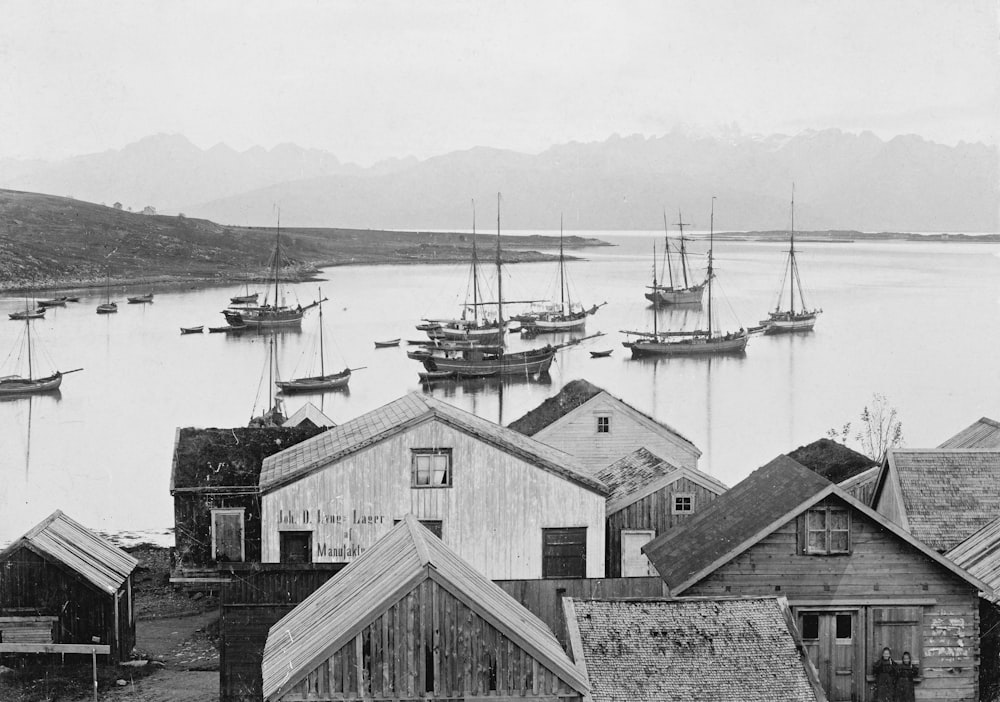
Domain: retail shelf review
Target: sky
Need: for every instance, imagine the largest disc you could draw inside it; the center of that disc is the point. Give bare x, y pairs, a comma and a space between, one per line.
393, 78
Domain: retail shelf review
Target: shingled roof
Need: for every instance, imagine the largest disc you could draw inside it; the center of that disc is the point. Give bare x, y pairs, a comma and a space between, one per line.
948, 494
983, 434
642, 472
61, 539
397, 416
832, 460
980, 554
725, 650
402, 559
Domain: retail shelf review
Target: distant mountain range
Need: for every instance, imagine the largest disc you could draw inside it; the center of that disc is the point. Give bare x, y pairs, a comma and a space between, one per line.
842, 180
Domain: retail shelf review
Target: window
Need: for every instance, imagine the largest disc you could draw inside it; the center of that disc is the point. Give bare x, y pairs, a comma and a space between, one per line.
683, 503
431, 468
810, 626
844, 625
604, 424
295, 547
564, 553
227, 535
828, 530
434, 526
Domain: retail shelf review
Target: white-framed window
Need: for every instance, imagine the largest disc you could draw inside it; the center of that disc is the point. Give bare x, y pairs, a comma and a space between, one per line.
682, 503
604, 424
827, 531
228, 543
431, 468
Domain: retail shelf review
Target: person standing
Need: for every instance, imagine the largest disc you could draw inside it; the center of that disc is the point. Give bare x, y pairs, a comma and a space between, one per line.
884, 674
907, 673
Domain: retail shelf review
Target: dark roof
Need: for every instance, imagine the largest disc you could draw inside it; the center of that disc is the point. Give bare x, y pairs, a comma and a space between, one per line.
402, 559
386, 421
948, 494
734, 516
832, 460
642, 472
59, 538
205, 458
984, 434
725, 650
572, 395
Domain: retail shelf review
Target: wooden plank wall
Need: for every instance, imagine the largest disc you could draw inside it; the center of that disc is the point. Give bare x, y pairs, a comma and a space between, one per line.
193, 526
430, 645
881, 569
651, 512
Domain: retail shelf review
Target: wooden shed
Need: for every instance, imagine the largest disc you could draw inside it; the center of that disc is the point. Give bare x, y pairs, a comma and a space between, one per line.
649, 496
599, 428
62, 584
855, 581
409, 619
511, 506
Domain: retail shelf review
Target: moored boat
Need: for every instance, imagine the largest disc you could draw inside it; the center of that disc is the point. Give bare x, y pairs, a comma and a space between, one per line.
684, 292
18, 385
140, 299
28, 313
388, 343
792, 319
107, 307
192, 330
323, 381
601, 354
53, 302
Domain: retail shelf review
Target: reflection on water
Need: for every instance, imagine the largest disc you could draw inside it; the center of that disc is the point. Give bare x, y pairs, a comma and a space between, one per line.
917, 322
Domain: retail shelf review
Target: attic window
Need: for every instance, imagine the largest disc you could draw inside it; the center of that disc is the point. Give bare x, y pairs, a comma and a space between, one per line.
683, 503
604, 424
431, 468
828, 531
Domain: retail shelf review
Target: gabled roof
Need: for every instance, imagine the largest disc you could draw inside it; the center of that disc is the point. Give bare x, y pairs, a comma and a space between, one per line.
983, 434
736, 520
832, 460
641, 473
216, 458
948, 494
59, 538
309, 412
406, 556
725, 650
397, 416
576, 394
980, 554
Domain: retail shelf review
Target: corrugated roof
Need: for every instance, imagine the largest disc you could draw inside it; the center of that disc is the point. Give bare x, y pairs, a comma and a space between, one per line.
409, 554
641, 472
980, 554
983, 434
768, 493
64, 540
409, 410
948, 494
726, 650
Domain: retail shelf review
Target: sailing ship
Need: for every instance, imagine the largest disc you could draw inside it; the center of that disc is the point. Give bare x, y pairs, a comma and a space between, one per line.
274, 415
564, 315
28, 312
681, 292
690, 343
468, 359
248, 298
323, 381
107, 307
269, 315
19, 385
791, 320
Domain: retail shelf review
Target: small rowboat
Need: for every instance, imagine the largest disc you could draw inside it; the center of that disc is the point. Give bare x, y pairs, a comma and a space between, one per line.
192, 330
601, 354
36, 313
72, 299
218, 330
386, 344
427, 376
244, 299
140, 299
55, 302
107, 308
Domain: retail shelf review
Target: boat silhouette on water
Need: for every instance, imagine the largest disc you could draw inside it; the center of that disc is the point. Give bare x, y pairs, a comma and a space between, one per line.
322, 382
30, 385
791, 319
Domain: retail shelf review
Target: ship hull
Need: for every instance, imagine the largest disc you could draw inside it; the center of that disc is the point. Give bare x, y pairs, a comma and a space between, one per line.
788, 325
23, 386
316, 384
517, 363
487, 335
676, 296
558, 325
698, 346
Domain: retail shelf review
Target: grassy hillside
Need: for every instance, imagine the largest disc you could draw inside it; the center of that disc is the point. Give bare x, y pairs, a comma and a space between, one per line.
48, 241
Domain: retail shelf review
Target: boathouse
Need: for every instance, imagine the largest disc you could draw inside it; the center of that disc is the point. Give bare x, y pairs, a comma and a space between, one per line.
511, 506
410, 619
599, 428
726, 650
214, 484
648, 498
855, 580
62, 585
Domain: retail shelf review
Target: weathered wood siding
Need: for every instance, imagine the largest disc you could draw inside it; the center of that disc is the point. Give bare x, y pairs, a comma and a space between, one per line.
881, 572
654, 512
493, 514
429, 645
576, 434
193, 526
31, 585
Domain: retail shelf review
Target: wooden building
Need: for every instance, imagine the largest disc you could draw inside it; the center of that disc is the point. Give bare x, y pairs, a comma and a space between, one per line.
599, 428
409, 619
511, 506
62, 584
855, 580
214, 483
648, 498
941, 496
724, 650
982, 434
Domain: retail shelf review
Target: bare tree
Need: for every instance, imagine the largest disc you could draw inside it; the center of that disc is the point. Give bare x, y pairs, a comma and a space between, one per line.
880, 429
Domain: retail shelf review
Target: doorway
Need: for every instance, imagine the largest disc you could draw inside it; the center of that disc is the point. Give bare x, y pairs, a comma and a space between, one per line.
832, 641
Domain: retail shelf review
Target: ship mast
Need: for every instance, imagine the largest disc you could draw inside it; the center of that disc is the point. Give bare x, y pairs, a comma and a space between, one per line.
666, 248
322, 369
27, 331
562, 269
684, 260
711, 244
499, 281
475, 270
791, 257
277, 257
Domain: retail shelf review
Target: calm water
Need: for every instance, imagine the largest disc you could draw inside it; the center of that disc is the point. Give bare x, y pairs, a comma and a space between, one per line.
919, 322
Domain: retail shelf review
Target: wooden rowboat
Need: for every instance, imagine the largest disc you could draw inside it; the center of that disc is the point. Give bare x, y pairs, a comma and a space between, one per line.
601, 354
386, 344
140, 299
426, 376
192, 330
36, 313
218, 330
107, 308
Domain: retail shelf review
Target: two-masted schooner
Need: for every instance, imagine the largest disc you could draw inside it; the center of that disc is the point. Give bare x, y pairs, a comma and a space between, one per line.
690, 343
682, 291
792, 318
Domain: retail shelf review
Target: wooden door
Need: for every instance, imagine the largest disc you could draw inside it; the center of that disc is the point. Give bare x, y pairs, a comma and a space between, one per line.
635, 564
832, 641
